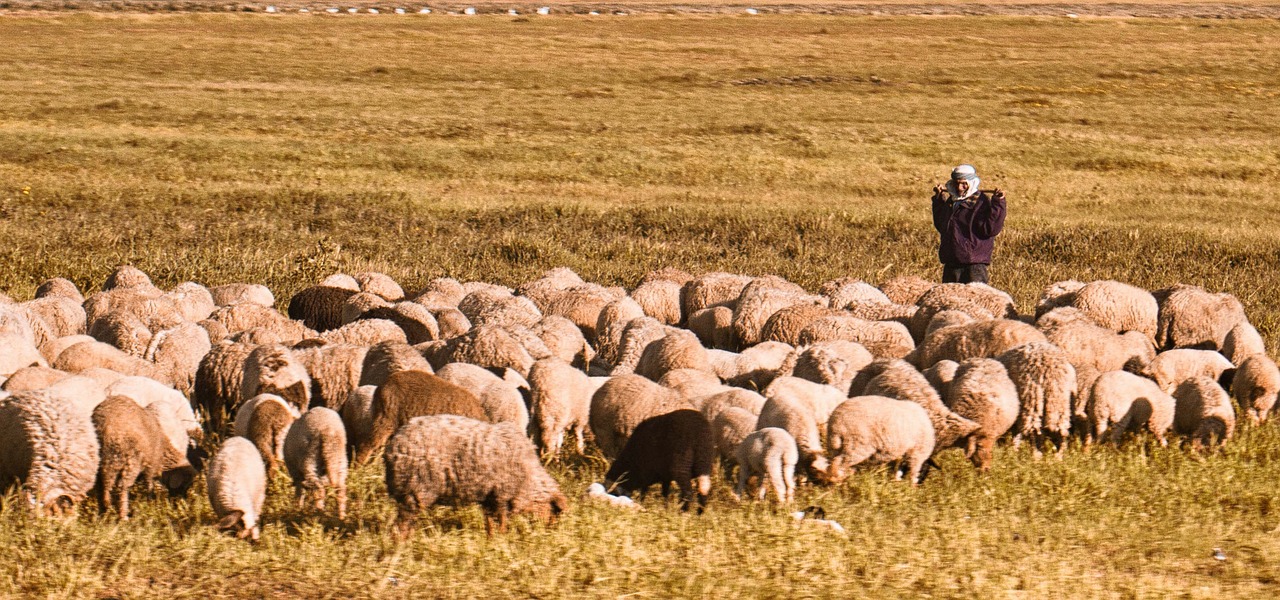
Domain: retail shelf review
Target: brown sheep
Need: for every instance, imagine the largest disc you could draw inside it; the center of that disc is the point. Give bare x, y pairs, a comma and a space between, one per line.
131, 444
409, 394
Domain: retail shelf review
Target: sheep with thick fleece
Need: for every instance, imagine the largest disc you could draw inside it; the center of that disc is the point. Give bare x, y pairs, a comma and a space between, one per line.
979, 339
32, 378
714, 327
1046, 384
660, 299
315, 453
131, 444
796, 418
692, 384
494, 307
78, 393
554, 280
59, 287
1118, 306
50, 448
770, 455
17, 352
237, 485
357, 415
786, 324
488, 346
819, 398
834, 362
847, 291
86, 355
1057, 294
451, 321
1121, 401
637, 336
711, 289
1255, 386
1087, 343
273, 369
1242, 342
906, 289
440, 292
941, 374
754, 367
898, 379
880, 430
679, 349
246, 293
729, 427
384, 358
335, 370
884, 339
712, 405
219, 380
239, 317
559, 402
126, 276
502, 399
622, 403
53, 349
1172, 367
580, 304
415, 320
759, 300
456, 460
410, 394
675, 446
360, 303
1191, 317
384, 286
366, 333
177, 353
265, 420
983, 393
319, 307
564, 340
979, 301
193, 301
179, 420
1203, 411
64, 316
613, 320
124, 330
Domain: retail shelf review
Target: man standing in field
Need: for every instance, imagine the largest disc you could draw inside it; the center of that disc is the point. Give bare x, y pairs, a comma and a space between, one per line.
968, 219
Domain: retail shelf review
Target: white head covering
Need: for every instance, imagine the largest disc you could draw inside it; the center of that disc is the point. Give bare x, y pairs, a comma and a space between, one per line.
967, 173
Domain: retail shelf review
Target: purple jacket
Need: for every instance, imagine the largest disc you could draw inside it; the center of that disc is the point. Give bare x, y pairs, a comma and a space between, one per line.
968, 228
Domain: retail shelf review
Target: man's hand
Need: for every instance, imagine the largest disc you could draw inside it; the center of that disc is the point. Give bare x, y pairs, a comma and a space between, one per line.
997, 194
938, 189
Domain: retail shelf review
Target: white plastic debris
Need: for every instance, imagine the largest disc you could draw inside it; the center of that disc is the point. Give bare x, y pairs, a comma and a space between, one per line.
399, 11
331, 10
513, 12
304, 10
373, 11
425, 11
353, 10
835, 527
1073, 16
271, 9
594, 13
1219, 555
470, 10
752, 11
596, 492
545, 10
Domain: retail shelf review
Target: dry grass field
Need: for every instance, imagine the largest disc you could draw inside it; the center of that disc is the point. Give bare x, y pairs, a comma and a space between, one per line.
279, 149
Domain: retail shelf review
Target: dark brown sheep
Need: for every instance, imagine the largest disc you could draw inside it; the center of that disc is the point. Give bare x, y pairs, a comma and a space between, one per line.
676, 447
409, 394
319, 306
133, 444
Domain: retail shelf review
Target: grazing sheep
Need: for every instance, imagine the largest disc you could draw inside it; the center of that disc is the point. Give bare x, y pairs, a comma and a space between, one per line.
1242, 342
360, 303
273, 369
124, 330
385, 358
366, 333
660, 299
32, 378
456, 460
1203, 411
899, 380
17, 352
315, 453
1088, 344
906, 289
64, 316
819, 398
1172, 367
237, 483
1057, 294
132, 444
755, 368
769, 454
181, 424
238, 293
881, 430
729, 427
500, 308
265, 420
941, 374
440, 292
847, 291
1046, 384
679, 349
580, 305
797, 419
676, 446
711, 289
980, 301
357, 415
86, 355
692, 384
1255, 387
487, 346
50, 448
240, 317
1191, 317
1121, 401
622, 403
786, 324
564, 340
884, 339
611, 323
759, 300
410, 394
193, 301
377, 283
834, 363
335, 370
126, 276
177, 353
983, 393
451, 321
501, 399
980, 339
747, 400
677, 275
78, 393
417, 323
59, 288
1118, 306
319, 307
559, 402
714, 327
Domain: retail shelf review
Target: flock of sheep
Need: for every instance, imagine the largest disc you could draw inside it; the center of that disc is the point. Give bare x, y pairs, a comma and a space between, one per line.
466, 388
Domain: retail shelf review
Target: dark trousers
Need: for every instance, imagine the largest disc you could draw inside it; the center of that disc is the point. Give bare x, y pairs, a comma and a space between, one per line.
975, 273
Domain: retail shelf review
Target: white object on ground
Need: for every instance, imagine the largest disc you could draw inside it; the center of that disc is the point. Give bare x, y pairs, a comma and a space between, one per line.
823, 523
597, 492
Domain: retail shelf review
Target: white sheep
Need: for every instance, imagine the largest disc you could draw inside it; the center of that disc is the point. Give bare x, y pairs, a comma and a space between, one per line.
1255, 387
768, 454
1121, 401
1172, 367
315, 453
881, 430
1046, 384
559, 402
502, 399
50, 448
1242, 342
983, 393
1203, 411
237, 485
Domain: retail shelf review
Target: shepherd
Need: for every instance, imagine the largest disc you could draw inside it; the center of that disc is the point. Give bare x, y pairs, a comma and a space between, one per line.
968, 219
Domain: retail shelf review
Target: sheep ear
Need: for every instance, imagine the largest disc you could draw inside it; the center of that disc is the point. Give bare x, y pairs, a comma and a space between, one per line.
233, 521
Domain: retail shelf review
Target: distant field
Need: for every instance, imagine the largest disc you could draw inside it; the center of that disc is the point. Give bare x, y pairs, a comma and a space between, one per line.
221, 148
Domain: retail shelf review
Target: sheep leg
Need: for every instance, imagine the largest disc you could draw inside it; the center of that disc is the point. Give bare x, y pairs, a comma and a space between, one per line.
915, 462
789, 479
121, 492
686, 492
581, 439
744, 477
778, 481
341, 491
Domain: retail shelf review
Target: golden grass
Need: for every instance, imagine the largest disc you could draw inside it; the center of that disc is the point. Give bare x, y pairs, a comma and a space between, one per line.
226, 148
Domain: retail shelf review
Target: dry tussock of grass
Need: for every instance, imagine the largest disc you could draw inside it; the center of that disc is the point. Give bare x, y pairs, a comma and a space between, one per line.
224, 148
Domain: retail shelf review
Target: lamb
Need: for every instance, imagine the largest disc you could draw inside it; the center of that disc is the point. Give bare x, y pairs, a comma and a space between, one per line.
679, 349
1203, 411
786, 324
884, 339
1242, 342
906, 289
711, 289
729, 427
1172, 367
132, 444
453, 459
1118, 306
385, 358
410, 394
899, 380
238, 293
612, 321
714, 327
377, 283
237, 485
622, 403
1046, 384
487, 346
502, 399
52, 450
834, 363
366, 333
1121, 401
673, 446
660, 299
319, 307
1255, 387
177, 353
273, 369
59, 287
983, 393
881, 430
768, 453
559, 402
980, 339
265, 420
797, 419
315, 453
1191, 317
